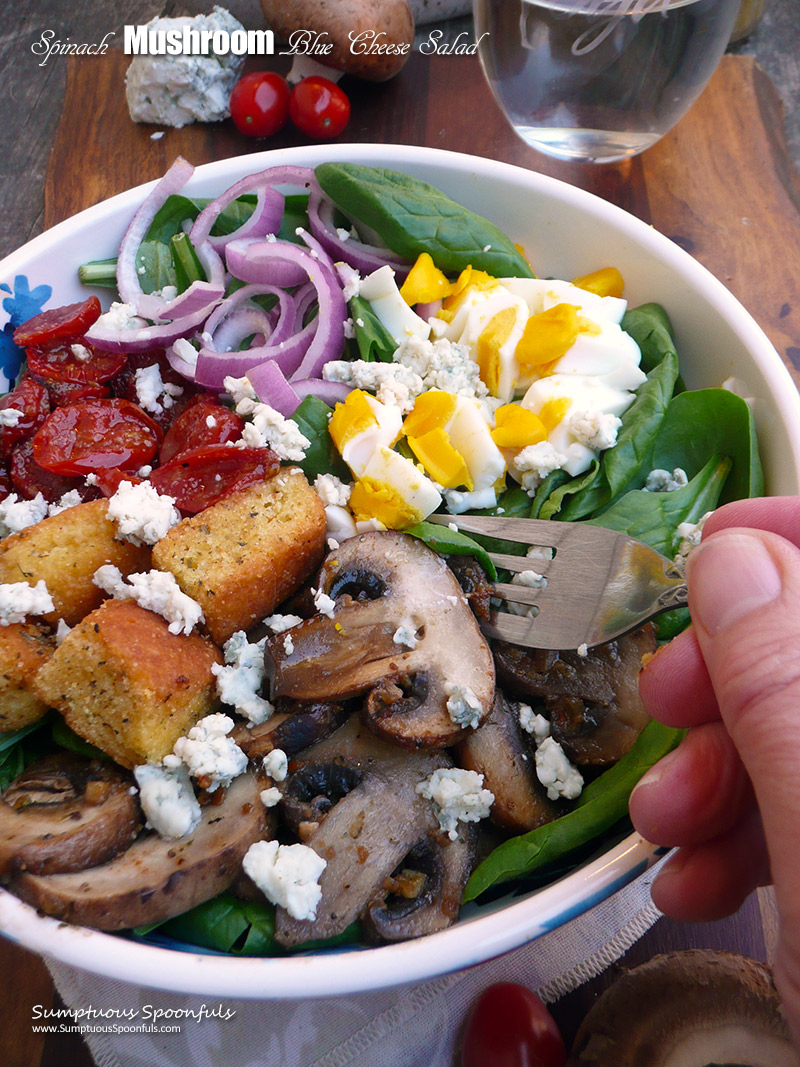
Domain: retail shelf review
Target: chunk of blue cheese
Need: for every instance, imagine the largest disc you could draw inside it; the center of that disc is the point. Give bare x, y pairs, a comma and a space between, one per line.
176, 90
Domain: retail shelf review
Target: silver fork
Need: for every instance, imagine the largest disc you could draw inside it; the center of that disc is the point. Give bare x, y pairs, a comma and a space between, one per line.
599, 585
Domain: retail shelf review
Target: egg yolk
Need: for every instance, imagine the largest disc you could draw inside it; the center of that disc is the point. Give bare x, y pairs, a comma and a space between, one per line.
553, 411
372, 499
491, 339
517, 427
605, 282
441, 461
469, 278
425, 282
350, 418
431, 410
548, 335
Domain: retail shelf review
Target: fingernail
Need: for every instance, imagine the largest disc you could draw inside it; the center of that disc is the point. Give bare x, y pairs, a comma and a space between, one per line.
729, 576
656, 772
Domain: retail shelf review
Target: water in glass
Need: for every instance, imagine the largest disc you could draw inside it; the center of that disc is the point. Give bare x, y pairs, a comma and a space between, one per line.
599, 80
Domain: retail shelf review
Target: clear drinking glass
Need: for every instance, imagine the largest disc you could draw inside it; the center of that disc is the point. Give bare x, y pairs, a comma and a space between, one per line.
599, 80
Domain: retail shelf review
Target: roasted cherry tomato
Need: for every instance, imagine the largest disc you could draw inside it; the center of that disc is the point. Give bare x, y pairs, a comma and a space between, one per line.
81, 438
108, 481
204, 422
29, 479
61, 393
75, 361
509, 1026
6, 485
319, 108
259, 104
201, 477
124, 384
34, 403
58, 324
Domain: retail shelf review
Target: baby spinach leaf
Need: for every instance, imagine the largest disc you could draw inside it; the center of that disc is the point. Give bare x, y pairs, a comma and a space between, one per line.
216, 924
372, 338
703, 421
649, 326
64, 737
655, 517
452, 543
155, 266
553, 481
411, 216
619, 465
295, 214
602, 804
322, 456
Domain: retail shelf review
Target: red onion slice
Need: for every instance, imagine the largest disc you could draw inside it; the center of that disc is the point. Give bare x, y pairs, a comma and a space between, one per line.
271, 387
254, 261
139, 339
128, 284
330, 392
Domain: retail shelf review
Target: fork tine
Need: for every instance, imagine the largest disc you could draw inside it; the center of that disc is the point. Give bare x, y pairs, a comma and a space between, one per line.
516, 629
519, 563
518, 594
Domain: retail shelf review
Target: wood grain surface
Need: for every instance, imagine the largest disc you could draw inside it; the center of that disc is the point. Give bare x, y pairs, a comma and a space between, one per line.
721, 185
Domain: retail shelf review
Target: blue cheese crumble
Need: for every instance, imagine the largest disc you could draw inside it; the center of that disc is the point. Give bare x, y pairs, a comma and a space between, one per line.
457, 796
18, 600
142, 515
154, 590
240, 680
167, 799
209, 754
463, 706
287, 875
559, 777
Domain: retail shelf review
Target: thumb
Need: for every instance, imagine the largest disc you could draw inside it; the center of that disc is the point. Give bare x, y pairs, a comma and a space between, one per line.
744, 596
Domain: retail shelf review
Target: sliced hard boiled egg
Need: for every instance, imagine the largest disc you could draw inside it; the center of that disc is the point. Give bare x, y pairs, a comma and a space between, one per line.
360, 425
380, 289
393, 491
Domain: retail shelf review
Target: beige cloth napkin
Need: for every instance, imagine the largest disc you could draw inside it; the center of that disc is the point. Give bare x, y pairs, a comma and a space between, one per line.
406, 1027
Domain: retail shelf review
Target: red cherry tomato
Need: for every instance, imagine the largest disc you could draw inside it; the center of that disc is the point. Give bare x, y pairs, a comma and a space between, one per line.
108, 481
61, 393
81, 438
259, 104
509, 1026
201, 477
60, 363
204, 422
34, 403
319, 108
29, 479
58, 324
124, 384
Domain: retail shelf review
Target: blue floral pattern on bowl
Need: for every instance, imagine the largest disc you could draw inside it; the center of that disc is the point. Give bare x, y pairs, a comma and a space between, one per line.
21, 304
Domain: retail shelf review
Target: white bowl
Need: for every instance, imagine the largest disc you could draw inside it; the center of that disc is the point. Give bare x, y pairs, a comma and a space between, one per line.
565, 232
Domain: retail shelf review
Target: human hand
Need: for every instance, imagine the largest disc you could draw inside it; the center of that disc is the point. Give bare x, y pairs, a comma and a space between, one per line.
729, 796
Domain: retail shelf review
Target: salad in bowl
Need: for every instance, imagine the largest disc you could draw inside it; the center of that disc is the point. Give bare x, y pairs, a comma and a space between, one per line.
248, 706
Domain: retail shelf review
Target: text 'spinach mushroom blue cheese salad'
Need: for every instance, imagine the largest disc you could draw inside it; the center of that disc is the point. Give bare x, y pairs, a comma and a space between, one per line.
245, 695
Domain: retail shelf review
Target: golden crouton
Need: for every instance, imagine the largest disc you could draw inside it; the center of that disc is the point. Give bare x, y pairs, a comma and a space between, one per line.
126, 684
64, 551
242, 557
24, 648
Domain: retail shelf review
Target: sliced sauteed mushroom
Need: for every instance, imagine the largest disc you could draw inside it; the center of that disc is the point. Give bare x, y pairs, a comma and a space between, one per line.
424, 894
66, 813
685, 1009
293, 729
368, 832
500, 753
156, 878
592, 701
401, 632
477, 587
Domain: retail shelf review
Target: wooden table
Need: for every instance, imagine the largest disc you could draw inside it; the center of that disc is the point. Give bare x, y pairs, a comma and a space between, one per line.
721, 185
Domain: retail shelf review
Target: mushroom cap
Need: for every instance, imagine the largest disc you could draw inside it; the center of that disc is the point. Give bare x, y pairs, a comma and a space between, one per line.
156, 879
384, 584
687, 1009
66, 813
388, 24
